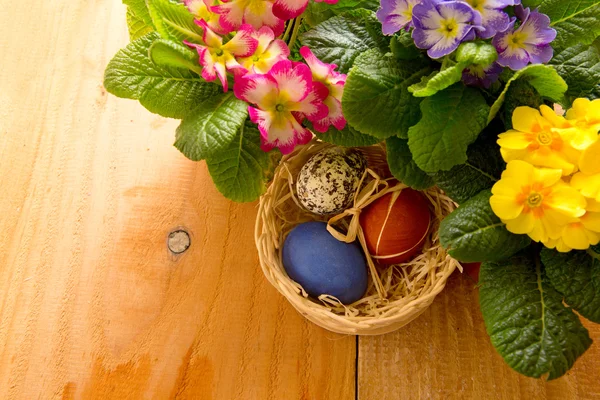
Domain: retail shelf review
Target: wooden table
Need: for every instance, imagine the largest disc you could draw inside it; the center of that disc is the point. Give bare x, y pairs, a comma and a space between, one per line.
94, 306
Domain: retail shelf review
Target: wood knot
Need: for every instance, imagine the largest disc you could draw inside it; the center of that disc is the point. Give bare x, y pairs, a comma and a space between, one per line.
179, 241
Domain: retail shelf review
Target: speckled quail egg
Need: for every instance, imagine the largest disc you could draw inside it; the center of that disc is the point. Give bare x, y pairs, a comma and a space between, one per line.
327, 182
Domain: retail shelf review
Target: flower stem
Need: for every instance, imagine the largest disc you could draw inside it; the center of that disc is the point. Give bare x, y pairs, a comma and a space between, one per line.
288, 29
297, 25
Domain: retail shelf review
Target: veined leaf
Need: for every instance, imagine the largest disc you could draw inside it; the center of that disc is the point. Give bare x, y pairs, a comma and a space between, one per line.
478, 53
580, 67
174, 21
240, 170
473, 233
140, 10
482, 169
376, 100
452, 119
576, 22
137, 26
348, 137
341, 39
403, 47
403, 167
170, 92
167, 53
526, 320
577, 276
437, 81
543, 78
211, 127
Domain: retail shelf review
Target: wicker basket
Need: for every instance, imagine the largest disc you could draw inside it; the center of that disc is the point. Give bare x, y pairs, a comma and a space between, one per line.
395, 295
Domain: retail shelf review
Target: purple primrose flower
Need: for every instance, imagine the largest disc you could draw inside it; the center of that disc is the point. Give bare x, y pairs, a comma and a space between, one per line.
529, 43
492, 17
440, 27
482, 75
395, 15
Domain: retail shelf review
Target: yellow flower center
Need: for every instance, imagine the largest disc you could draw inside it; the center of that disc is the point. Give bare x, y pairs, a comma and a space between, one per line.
477, 4
532, 197
449, 27
544, 138
279, 107
534, 200
516, 40
409, 11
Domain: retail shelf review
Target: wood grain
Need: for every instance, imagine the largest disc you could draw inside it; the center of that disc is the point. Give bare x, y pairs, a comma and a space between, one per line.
446, 354
92, 304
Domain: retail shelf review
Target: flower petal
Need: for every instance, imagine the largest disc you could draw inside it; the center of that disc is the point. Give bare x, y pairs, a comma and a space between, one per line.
547, 176
493, 20
523, 224
519, 171
242, 44
210, 38
526, 119
588, 185
567, 200
506, 208
288, 9
295, 83
514, 140
257, 89
589, 163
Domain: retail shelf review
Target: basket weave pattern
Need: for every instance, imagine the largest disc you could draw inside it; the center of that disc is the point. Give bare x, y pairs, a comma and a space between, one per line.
408, 289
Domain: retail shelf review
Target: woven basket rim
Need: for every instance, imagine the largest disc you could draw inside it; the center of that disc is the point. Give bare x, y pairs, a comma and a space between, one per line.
268, 236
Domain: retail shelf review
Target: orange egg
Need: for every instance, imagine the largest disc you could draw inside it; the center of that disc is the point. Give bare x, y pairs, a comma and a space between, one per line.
396, 226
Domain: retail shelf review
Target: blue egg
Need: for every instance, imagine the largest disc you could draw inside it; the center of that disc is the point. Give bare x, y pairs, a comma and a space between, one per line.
321, 264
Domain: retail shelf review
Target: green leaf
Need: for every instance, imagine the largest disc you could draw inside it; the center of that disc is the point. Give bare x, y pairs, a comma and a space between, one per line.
211, 127
483, 168
543, 78
376, 100
139, 9
437, 81
477, 53
240, 170
137, 26
174, 21
577, 276
341, 39
316, 13
170, 92
403, 47
403, 167
473, 233
526, 320
167, 53
348, 137
576, 22
452, 120
470, 53
580, 67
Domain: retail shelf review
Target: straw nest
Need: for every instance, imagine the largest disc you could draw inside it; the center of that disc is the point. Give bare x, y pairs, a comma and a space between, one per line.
397, 294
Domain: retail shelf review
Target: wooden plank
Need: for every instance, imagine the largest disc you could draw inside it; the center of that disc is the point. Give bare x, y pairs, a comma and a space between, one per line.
446, 354
92, 304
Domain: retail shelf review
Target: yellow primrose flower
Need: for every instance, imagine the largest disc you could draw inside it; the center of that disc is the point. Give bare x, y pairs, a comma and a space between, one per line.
535, 201
585, 114
588, 185
578, 235
584, 117
536, 138
593, 206
589, 162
